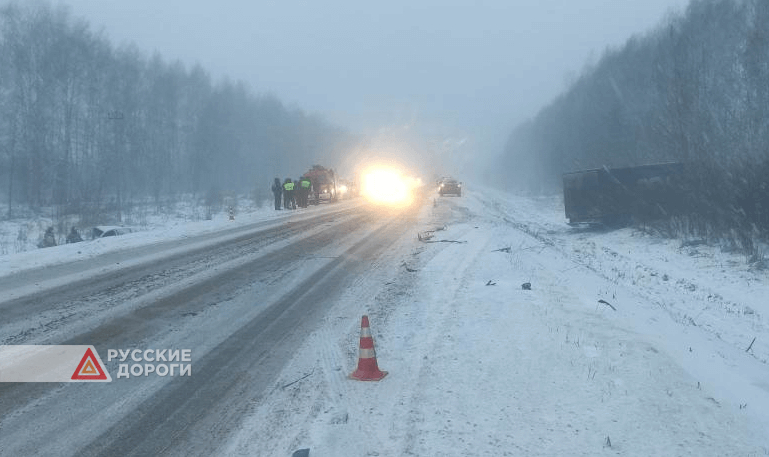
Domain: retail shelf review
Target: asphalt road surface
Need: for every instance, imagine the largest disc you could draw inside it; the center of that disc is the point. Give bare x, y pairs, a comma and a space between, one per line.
242, 301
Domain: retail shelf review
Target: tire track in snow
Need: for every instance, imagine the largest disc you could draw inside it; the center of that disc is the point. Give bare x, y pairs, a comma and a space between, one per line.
203, 398
36, 318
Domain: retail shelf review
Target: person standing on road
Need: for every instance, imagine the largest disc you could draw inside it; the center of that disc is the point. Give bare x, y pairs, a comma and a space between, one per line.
277, 191
304, 191
288, 194
297, 194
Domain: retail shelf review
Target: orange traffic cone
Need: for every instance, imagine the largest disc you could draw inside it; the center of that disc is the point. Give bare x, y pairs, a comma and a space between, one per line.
367, 366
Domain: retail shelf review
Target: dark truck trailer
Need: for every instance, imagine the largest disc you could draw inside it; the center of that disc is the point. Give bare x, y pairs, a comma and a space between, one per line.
324, 184
614, 196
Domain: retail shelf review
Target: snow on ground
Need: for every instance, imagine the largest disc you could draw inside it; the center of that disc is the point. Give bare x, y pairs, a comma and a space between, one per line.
182, 224
26, 229
478, 366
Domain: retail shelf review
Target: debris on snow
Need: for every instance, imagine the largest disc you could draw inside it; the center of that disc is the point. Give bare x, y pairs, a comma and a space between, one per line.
424, 236
297, 380
751, 344
607, 304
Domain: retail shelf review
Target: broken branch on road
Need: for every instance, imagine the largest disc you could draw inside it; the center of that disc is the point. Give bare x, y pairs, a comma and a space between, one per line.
607, 304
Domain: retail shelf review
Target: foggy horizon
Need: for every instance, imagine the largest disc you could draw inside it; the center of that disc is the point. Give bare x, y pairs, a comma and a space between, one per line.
446, 70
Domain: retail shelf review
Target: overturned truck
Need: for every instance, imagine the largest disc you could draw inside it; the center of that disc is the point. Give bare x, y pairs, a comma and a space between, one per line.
616, 196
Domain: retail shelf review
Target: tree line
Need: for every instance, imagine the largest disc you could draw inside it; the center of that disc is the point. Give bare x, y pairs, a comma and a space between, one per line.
85, 125
695, 90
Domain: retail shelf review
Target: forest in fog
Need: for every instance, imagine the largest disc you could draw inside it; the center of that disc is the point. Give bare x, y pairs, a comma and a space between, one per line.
694, 90
87, 126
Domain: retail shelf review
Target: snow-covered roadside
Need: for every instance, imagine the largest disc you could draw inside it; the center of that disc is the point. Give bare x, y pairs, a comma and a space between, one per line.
161, 231
698, 285
703, 306
479, 366
26, 229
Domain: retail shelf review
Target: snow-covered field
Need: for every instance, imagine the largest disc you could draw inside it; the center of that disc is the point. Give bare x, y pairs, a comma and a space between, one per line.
24, 232
184, 221
479, 366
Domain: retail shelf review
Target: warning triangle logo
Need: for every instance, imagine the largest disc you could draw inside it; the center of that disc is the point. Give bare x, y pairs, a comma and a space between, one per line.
89, 368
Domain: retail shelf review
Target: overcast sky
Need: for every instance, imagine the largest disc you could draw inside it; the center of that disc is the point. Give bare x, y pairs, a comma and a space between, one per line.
465, 70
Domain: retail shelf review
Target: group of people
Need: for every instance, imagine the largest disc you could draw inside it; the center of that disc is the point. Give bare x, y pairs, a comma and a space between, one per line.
49, 238
293, 193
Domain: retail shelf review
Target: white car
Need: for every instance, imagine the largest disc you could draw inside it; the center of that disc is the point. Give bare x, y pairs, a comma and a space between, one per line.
102, 231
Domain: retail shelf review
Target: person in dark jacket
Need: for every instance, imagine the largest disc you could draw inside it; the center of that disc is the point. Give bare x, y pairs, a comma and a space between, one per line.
74, 236
49, 239
277, 191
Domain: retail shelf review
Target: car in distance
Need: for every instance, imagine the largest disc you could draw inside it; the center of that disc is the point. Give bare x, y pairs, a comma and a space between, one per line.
450, 186
103, 231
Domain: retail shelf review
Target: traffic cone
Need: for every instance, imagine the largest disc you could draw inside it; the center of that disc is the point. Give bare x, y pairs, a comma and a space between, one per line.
367, 366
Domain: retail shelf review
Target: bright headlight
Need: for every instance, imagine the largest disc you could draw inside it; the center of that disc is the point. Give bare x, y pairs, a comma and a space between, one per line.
387, 186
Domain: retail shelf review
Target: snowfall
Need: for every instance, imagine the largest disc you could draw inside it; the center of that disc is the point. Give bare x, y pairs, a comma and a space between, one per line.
626, 343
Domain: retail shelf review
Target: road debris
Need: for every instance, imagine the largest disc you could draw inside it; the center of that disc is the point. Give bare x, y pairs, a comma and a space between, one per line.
295, 381
607, 304
751, 344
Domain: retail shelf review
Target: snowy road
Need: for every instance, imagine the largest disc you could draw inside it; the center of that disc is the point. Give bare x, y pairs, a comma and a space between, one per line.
266, 287
477, 365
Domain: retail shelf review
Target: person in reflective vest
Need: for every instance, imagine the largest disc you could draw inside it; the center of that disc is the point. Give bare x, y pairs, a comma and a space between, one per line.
304, 191
288, 194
